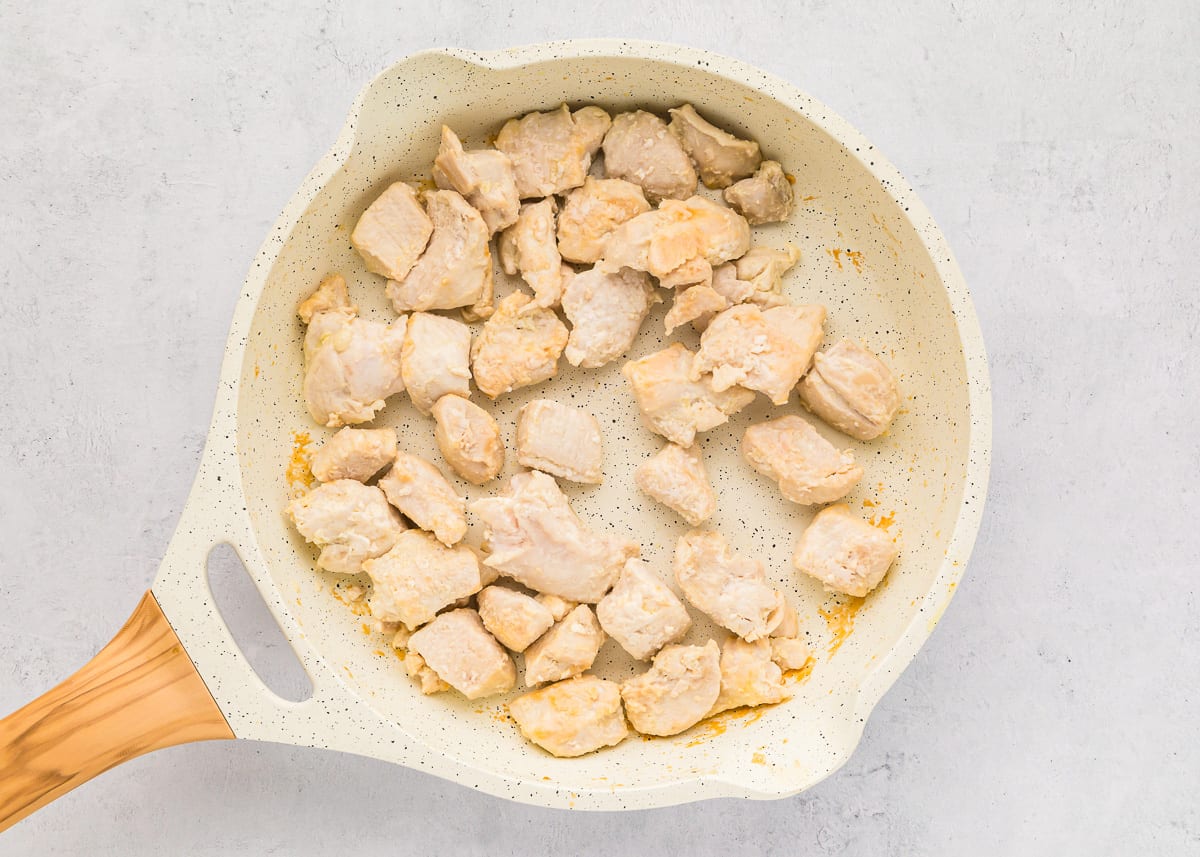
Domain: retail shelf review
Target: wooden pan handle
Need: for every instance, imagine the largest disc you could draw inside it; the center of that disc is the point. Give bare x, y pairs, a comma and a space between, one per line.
139, 693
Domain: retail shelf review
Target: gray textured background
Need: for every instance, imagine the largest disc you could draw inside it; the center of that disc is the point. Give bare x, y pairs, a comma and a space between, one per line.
144, 152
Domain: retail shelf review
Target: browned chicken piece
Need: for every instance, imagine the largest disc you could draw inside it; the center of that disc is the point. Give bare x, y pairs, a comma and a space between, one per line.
350, 522
808, 468
731, 589
560, 440
675, 477
593, 211
696, 272
558, 607
639, 148
436, 359
529, 248
675, 235
676, 692
418, 577
764, 350
573, 717
844, 552
421, 492
749, 676
763, 269
430, 682
536, 539
551, 152
392, 232
456, 268
459, 649
698, 304
469, 439
852, 390
606, 311
672, 403
565, 650
765, 197
642, 613
483, 176
790, 653
518, 346
354, 454
721, 157
513, 618
331, 294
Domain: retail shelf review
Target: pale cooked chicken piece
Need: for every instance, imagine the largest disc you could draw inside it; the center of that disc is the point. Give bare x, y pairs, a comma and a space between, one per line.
791, 653
350, 522
844, 552
749, 676
431, 682
418, 577
331, 294
593, 211
536, 539
638, 148
674, 405
518, 346
392, 232
513, 618
572, 717
731, 589
764, 350
676, 234
551, 151
436, 359
789, 625
676, 692
456, 268
725, 282
696, 272
469, 439
560, 440
808, 468
483, 176
765, 197
852, 390
566, 650
530, 248
558, 607
354, 454
762, 268
675, 477
421, 492
642, 613
721, 157
606, 311
698, 304
459, 649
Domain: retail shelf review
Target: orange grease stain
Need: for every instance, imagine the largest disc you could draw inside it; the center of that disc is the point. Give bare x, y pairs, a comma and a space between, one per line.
799, 675
256, 370
299, 470
856, 259
718, 723
883, 522
758, 759
791, 178
378, 652
837, 257
868, 504
840, 621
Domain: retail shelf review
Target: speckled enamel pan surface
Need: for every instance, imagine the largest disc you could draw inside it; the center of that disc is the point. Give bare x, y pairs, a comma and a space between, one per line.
871, 254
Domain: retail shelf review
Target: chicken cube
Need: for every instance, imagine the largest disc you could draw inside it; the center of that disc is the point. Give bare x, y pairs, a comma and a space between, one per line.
694, 272
513, 618
551, 151
765, 197
331, 294
558, 607
675, 477
790, 653
672, 403
674, 235
572, 717
565, 650
484, 177
560, 440
606, 311
431, 682
762, 269
354, 454
469, 439
459, 649
676, 692
808, 468
436, 359
420, 576
764, 350
721, 157
844, 552
530, 248
536, 539
518, 346
852, 390
456, 268
642, 613
749, 676
421, 492
698, 304
593, 211
725, 282
392, 232
731, 589
350, 522
638, 148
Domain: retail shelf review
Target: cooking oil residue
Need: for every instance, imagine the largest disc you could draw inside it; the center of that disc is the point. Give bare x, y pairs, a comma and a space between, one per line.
840, 620
299, 470
854, 257
718, 723
800, 674
883, 521
758, 759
